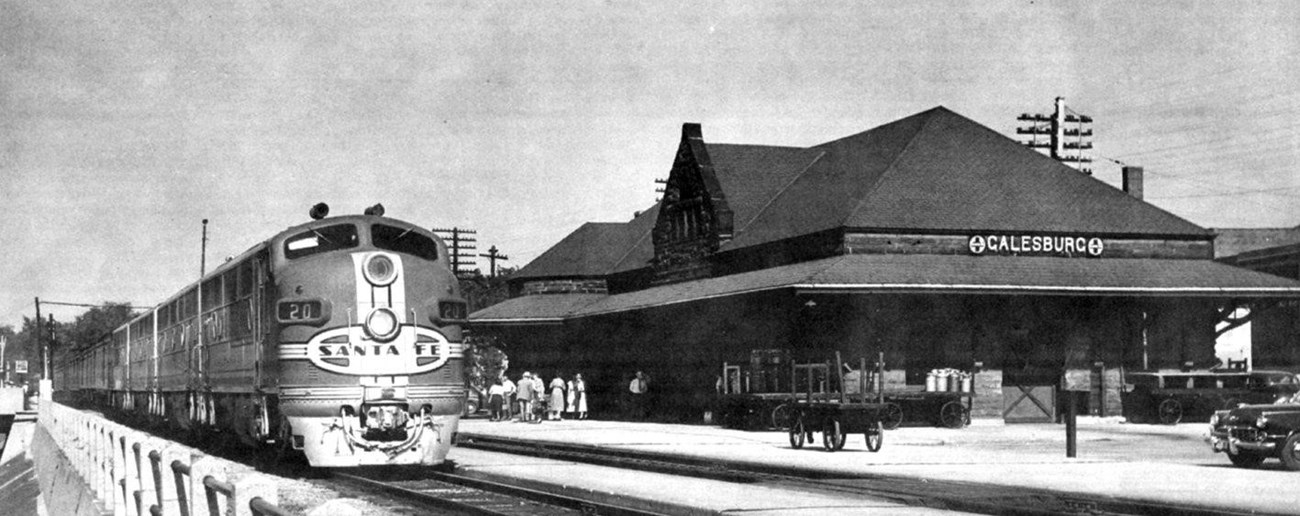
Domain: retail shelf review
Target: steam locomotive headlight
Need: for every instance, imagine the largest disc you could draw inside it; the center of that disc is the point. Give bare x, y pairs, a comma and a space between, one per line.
380, 270
382, 324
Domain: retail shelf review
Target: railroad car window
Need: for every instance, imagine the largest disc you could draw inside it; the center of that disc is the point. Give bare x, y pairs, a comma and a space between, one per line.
320, 240
229, 281
246, 279
189, 304
404, 240
212, 294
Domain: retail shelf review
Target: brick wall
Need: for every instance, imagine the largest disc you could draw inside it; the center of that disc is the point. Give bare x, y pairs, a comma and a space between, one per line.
882, 243
565, 286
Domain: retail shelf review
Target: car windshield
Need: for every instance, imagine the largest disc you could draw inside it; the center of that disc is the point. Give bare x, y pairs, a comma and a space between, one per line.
404, 240
320, 240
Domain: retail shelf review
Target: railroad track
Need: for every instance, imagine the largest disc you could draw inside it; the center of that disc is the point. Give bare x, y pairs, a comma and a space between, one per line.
465, 495
949, 495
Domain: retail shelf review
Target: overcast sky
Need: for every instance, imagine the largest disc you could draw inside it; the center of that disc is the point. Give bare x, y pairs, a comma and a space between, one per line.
124, 124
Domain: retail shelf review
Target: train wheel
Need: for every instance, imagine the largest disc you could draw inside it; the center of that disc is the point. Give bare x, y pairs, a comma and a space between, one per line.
954, 415
832, 436
891, 416
796, 434
1170, 411
782, 416
876, 437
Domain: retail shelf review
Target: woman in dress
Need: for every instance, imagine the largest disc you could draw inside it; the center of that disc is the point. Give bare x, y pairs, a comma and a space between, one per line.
578, 396
556, 403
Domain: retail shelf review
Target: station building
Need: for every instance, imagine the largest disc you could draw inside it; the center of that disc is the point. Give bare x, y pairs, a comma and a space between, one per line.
932, 241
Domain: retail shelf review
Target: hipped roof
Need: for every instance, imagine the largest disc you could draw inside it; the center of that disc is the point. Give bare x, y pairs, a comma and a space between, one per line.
935, 171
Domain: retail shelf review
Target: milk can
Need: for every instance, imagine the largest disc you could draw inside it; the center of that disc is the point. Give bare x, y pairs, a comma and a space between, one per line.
930, 382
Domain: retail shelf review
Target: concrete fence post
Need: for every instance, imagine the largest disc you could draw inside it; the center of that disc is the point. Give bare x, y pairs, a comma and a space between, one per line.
250, 485
202, 503
173, 490
116, 471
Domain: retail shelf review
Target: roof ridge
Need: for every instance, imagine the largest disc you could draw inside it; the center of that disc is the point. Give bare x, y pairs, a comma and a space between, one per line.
780, 192
929, 118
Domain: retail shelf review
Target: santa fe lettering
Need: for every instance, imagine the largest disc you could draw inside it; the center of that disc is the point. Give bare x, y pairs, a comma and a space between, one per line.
346, 350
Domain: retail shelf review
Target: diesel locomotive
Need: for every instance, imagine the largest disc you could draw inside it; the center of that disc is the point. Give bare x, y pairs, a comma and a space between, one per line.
339, 338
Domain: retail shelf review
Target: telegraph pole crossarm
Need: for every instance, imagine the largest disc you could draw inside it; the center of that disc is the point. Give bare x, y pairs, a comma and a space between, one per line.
492, 257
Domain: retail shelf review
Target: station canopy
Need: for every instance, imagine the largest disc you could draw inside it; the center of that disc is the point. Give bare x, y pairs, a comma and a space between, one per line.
925, 274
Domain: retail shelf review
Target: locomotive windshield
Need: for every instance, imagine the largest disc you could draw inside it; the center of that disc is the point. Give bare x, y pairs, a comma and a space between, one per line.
403, 240
320, 240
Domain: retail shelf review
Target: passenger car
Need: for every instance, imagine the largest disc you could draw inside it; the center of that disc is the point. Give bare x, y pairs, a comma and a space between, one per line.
1168, 397
1251, 433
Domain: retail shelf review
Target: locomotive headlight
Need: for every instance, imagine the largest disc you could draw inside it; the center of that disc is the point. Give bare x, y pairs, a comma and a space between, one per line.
380, 270
382, 324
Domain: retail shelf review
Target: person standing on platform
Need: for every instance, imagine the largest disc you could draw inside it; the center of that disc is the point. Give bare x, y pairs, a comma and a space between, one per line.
578, 397
640, 389
556, 404
508, 386
496, 398
525, 396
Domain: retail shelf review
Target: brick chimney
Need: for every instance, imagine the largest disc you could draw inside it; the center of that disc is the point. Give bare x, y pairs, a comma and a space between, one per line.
1133, 181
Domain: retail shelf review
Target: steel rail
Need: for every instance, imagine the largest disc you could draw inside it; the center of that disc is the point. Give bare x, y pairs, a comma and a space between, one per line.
571, 503
952, 495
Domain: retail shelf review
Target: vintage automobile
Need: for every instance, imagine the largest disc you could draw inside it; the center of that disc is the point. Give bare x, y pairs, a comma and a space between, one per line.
1168, 397
1251, 433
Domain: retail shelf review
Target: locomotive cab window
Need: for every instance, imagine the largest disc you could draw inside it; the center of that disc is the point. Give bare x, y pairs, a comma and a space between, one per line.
320, 240
404, 240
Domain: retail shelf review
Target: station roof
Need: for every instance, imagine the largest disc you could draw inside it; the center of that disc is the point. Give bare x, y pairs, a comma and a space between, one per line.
935, 171
938, 171
922, 274
597, 249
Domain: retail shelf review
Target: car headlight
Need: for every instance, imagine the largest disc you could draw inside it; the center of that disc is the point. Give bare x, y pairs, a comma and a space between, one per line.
1214, 419
1262, 421
382, 324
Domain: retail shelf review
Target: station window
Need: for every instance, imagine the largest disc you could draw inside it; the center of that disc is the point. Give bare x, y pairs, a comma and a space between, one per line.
320, 240
404, 240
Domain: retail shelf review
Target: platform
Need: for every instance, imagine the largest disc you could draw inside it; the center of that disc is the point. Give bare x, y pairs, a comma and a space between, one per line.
1166, 465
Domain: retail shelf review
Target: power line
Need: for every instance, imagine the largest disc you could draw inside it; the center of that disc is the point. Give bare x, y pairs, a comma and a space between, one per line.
100, 305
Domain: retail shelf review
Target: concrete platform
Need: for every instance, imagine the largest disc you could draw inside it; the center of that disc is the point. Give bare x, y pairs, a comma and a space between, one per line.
1166, 465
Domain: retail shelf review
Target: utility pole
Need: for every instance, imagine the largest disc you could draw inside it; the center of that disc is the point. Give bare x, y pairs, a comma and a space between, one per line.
492, 257
38, 326
458, 245
46, 352
1065, 143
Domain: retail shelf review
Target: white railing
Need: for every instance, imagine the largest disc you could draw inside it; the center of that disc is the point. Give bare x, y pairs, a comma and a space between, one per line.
133, 473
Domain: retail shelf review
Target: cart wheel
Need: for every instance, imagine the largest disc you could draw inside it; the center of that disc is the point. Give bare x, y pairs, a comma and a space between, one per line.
796, 434
891, 416
876, 437
1170, 411
832, 437
782, 416
954, 415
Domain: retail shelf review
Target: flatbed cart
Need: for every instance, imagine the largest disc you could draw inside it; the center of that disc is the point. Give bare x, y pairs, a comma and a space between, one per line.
836, 421
808, 413
948, 409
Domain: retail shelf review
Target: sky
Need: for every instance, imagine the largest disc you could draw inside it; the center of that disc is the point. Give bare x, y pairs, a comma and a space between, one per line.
124, 124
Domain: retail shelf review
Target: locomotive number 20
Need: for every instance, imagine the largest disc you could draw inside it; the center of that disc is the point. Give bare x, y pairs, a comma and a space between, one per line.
290, 311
